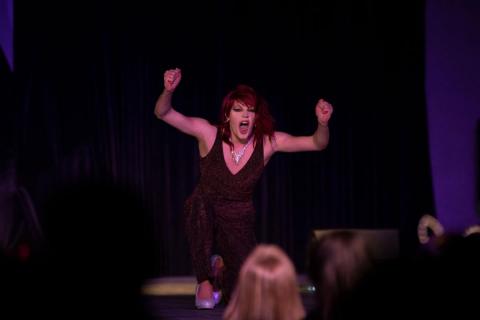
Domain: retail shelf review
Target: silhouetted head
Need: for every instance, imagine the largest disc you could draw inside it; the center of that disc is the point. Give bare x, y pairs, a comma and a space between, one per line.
336, 263
98, 244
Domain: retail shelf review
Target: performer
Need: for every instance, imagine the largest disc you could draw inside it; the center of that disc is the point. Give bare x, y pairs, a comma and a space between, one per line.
219, 214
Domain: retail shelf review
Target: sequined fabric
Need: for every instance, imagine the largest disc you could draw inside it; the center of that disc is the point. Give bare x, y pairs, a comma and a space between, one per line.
220, 216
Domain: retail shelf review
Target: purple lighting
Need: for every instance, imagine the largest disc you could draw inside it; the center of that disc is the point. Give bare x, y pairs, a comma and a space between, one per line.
453, 106
6, 30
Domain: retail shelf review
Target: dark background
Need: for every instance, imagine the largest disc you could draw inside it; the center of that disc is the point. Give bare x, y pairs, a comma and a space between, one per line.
87, 74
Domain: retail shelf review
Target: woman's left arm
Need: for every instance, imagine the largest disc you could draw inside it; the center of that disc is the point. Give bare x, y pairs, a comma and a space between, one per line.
284, 142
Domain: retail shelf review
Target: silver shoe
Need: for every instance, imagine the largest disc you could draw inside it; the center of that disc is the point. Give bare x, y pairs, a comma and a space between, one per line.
208, 303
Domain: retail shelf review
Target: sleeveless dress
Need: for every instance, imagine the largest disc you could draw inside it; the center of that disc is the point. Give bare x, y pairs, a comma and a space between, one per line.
219, 215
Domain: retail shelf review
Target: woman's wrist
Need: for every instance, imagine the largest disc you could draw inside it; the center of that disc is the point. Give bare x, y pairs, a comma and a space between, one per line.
167, 91
323, 124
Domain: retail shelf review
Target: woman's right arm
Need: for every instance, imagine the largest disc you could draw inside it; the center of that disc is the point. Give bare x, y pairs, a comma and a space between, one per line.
197, 127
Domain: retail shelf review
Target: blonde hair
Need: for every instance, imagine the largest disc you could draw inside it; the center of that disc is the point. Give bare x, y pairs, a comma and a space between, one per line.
267, 288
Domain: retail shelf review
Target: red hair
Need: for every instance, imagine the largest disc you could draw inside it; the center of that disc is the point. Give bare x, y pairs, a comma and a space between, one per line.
264, 123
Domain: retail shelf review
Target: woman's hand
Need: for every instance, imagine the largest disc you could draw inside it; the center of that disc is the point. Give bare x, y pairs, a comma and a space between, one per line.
324, 111
171, 79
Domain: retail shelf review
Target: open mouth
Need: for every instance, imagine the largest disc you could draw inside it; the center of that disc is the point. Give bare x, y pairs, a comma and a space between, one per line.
244, 125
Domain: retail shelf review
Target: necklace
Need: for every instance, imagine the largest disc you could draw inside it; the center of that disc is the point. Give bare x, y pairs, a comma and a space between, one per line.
236, 156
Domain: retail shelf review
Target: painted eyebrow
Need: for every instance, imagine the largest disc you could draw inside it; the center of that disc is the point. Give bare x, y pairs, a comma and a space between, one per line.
239, 107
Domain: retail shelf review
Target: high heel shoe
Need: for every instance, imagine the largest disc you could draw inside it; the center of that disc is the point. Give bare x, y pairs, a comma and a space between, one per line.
216, 262
208, 303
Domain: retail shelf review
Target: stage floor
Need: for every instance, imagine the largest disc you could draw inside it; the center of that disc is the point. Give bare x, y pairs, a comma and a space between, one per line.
173, 298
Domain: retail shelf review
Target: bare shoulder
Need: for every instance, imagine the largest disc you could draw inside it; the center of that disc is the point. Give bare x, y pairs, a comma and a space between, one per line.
210, 133
279, 137
207, 140
277, 140
269, 147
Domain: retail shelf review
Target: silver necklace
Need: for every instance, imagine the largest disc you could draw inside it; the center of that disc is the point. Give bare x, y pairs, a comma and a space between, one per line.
236, 156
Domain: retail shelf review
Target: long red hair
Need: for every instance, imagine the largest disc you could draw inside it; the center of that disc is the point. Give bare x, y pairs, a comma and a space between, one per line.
264, 123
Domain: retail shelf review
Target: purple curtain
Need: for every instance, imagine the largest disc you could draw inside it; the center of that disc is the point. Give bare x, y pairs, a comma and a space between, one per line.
453, 101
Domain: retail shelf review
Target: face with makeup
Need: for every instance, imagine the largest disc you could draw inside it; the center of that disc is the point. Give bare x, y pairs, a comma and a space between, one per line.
242, 121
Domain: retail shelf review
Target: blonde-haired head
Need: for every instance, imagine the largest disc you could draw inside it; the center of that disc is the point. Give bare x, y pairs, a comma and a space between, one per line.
267, 288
